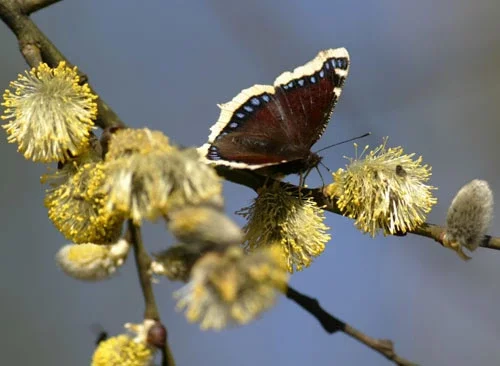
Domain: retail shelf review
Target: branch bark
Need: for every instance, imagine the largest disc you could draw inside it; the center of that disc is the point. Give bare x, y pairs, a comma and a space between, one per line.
30, 6
331, 325
255, 181
143, 263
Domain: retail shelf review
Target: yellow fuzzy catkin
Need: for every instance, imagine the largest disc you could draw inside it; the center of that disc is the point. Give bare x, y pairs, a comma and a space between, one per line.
384, 190
49, 113
75, 202
295, 225
232, 288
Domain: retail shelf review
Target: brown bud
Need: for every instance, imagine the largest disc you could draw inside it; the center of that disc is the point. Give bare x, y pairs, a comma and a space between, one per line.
157, 335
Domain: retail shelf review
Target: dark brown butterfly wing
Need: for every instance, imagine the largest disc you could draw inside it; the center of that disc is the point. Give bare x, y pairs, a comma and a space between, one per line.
268, 125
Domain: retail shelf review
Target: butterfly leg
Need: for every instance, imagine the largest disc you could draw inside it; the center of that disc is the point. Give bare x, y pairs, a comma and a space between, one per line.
302, 179
321, 176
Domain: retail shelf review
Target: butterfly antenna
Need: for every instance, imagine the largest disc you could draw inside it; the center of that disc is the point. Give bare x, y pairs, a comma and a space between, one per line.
343, 142
324, 166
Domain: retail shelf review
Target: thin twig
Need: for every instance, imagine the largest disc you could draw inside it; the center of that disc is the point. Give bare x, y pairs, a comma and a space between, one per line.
331, 325
30, 6
143, 263
167, 359
255, 181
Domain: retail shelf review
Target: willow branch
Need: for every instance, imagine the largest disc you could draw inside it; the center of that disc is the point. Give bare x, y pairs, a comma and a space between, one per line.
331, 325
255, 181
167, 359
30, 6
143, 263
14, 14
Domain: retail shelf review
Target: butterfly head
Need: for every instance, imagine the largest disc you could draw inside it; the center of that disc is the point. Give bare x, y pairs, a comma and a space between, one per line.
311, 162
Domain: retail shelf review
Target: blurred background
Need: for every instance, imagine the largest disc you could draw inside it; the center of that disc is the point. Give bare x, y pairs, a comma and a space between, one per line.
424, 73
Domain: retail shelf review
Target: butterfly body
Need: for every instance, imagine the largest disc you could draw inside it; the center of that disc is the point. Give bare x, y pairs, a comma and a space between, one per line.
299, 166
271, 129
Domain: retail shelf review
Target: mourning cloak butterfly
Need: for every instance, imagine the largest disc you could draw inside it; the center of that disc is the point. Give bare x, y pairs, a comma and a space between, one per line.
275, 126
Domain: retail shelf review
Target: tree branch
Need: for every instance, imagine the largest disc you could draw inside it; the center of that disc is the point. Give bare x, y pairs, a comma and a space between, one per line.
332, 325
30, 6
254, 181
143, 263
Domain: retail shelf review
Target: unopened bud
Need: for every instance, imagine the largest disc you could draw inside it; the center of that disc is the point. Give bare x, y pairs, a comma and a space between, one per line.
469, 216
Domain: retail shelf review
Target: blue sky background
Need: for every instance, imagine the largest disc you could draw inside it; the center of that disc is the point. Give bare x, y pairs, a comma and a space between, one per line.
424, 73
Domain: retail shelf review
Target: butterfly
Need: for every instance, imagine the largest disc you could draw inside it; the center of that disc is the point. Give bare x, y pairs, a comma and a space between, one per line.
273, 128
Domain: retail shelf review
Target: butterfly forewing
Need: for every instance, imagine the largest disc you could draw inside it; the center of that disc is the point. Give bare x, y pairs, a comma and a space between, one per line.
309, 103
